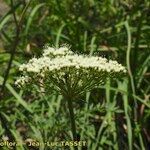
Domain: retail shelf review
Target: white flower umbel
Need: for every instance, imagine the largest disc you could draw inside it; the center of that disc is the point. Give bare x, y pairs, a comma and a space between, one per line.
69, 72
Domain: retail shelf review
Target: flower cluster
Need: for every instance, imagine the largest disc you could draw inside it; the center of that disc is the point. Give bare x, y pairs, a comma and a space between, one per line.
22, 80
69, 71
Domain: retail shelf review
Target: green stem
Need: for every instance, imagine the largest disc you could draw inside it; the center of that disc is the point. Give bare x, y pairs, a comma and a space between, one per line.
72, 119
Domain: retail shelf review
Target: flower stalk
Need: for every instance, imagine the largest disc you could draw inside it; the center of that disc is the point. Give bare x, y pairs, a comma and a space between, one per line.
72, 117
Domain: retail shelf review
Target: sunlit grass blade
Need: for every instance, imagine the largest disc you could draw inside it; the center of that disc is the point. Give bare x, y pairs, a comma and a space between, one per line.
58, 36
31, 16
19, 99
124, 86
4, 21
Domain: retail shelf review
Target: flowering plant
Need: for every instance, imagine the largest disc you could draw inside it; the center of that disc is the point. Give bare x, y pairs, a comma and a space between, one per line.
68, 73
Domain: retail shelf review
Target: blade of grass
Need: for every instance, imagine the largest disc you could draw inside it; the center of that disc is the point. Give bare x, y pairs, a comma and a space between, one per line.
129, 66
31, 16
4, 21
110, 104
59, 35
18, 139
17, 96
102, 126
92, 45
124, 86
85, 39
141, 142
143, 70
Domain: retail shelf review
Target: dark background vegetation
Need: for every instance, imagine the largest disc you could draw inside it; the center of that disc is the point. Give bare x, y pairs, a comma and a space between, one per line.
114, 116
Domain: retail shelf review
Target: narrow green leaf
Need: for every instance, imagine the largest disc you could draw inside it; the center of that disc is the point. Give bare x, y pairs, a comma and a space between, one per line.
18, 97
31, 16
4, 21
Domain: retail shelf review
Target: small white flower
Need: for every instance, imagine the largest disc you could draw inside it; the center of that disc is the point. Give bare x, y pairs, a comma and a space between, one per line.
5, 138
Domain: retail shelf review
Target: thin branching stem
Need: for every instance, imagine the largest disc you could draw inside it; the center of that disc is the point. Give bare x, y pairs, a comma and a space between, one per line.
72, 118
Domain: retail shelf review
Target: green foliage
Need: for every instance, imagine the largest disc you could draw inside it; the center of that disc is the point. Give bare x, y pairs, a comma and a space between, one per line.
113, 116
